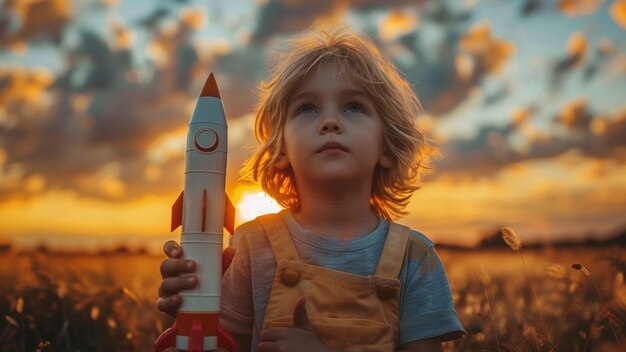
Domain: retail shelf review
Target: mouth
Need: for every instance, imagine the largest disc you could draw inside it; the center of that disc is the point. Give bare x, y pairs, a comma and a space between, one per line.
331, 146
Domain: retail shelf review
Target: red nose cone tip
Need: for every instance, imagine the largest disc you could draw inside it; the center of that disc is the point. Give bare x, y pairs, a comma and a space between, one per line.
210, 88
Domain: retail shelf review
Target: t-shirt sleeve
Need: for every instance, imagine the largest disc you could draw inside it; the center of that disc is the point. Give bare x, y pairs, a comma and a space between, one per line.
236, 310
427, 308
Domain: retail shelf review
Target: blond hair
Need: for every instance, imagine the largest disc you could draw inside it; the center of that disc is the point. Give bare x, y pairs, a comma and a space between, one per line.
395, 102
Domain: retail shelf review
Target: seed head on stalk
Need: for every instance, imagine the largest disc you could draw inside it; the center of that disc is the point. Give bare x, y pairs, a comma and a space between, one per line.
511, 238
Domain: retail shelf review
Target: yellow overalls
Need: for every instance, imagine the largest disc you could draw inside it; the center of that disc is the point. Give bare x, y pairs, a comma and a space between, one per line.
348, 312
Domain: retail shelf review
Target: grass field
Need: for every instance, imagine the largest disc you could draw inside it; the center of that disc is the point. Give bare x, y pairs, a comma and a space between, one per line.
528, 300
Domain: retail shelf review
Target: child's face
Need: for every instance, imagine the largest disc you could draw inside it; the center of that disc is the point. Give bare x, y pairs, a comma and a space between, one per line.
333, 132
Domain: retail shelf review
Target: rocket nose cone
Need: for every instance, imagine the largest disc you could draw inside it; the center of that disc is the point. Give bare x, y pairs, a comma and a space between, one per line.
210, 88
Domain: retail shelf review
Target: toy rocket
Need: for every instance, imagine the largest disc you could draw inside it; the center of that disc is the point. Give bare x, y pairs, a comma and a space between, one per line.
203, 210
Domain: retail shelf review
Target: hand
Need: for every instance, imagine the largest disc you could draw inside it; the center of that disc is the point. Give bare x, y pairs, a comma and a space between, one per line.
300, 337
177, 275
174, 349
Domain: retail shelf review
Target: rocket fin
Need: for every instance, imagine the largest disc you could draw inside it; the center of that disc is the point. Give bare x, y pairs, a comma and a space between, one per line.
196, 337
225, 339
167, 339
229, 215
177, 212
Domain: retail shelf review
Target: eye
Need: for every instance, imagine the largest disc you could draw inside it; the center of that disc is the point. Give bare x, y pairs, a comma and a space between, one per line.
355, 108
306, 108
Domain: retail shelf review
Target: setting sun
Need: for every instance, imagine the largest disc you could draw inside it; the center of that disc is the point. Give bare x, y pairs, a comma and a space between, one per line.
253, 203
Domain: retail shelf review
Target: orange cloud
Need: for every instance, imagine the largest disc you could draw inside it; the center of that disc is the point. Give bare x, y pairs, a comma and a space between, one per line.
618, 12
490, 52
396, 23
192, 18
123, 37
579, 7
577, 45
575, 114
31, 19
464, 65
23, 86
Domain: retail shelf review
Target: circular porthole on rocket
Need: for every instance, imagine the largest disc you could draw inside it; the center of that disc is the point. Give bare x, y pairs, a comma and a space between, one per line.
206, 140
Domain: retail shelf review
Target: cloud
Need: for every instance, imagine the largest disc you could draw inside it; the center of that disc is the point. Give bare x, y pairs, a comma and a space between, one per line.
489, 52
575, 128
618, 12
579, 7
279, 17
530, 7
23, 21
397, 23
89, 129
540, 198
442, 73
97, 127
459, 66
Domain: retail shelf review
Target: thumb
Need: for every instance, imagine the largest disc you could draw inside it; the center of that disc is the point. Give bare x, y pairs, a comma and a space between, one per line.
227, 258
300, 316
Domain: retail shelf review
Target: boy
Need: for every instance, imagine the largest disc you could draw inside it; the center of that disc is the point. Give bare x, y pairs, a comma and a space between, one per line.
339, 150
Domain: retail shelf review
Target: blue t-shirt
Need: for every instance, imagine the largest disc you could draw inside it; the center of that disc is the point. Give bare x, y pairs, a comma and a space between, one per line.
426, 305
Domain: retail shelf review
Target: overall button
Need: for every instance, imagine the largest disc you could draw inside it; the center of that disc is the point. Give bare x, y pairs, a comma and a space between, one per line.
386, 292
290, 277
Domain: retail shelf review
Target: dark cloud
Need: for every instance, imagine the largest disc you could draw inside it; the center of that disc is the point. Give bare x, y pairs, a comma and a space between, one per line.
287, 16
279, 17
460, 64
434, 76
490, 149
581, 56
92, 65
92, 128
530, 7
440, 12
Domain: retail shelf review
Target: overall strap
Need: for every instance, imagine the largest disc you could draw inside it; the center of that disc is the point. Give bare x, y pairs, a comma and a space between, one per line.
392, 256
279, 237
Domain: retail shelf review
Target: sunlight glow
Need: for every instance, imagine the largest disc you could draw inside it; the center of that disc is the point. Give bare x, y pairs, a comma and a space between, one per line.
254, 203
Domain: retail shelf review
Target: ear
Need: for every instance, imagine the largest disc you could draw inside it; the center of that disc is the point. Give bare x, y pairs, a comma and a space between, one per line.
282, 162
385, 161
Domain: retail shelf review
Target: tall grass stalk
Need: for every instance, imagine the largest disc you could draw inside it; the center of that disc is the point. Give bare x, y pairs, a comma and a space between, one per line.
515, 243
597, 288
493, 324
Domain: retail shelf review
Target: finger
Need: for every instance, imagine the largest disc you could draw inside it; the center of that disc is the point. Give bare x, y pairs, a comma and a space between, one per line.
176, 267
300, 316
268, 346
172, 249
273, 334
173, 285
169, 305
227, 258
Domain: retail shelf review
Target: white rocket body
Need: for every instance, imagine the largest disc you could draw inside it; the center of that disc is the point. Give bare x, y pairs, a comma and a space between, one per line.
203, 212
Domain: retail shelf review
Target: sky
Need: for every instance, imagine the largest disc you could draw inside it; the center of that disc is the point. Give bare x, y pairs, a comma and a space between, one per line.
526, 101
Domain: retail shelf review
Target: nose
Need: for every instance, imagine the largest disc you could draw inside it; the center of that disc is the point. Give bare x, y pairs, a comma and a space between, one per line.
330, 124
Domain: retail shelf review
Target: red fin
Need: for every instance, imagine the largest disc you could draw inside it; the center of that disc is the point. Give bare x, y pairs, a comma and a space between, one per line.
166, 339
225, 339
196, 338
229, 215
177, 212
